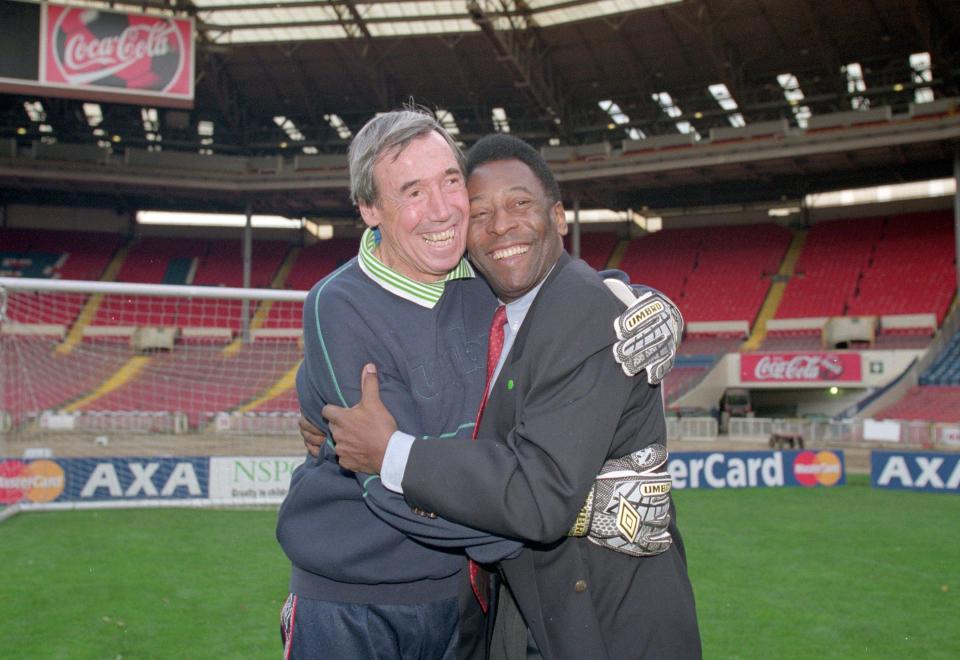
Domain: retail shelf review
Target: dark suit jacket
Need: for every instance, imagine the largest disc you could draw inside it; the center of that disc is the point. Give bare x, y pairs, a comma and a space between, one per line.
561, 406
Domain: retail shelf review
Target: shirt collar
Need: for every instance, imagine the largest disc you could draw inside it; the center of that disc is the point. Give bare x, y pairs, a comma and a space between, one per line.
425, 294
517, 310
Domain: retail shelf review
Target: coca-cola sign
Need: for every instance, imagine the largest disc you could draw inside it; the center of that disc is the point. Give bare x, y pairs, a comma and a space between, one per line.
807, 367
118, 52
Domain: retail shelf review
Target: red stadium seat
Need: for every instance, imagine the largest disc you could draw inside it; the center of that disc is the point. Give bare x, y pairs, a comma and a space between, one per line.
930, 403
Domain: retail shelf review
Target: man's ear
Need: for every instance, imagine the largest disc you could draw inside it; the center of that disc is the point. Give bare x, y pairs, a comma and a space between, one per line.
370, 215
559, 218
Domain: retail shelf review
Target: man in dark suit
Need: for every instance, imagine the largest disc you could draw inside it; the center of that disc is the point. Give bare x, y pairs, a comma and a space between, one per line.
558, 409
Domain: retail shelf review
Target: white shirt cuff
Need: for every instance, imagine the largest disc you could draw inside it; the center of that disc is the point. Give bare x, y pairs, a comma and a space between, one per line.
395, 461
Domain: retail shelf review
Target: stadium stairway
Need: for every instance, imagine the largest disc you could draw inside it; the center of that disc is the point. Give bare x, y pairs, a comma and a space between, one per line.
279, 388
130, 370
945, 369
89, 311
616, 257
263, 309
775, 295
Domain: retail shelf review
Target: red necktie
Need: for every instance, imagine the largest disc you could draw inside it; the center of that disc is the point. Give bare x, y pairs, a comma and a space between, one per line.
479, 578
494, 348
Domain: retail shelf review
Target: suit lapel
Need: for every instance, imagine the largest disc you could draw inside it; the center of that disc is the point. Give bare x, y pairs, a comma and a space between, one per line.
501, 410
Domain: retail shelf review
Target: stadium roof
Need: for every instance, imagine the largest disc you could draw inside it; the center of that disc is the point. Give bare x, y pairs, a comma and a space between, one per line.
299, 77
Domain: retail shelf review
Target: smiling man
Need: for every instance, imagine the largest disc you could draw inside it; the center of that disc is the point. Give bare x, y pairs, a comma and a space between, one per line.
409, 302
558, 411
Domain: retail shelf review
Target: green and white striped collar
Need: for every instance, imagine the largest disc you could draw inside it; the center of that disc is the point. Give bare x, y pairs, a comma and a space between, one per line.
423, 294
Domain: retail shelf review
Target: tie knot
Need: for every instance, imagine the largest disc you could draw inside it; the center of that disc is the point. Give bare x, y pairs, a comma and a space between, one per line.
499, 316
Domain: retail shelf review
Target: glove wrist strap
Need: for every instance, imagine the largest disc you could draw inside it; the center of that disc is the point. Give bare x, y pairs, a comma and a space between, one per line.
582, 524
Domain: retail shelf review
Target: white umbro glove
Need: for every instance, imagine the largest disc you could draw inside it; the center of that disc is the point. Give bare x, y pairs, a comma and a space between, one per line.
648, 333
628, 507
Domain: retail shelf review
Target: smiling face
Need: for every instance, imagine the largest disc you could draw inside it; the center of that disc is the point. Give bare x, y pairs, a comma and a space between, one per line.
516, 233
421, 209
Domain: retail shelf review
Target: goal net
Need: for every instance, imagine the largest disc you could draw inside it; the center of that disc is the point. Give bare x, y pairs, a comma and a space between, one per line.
146, 390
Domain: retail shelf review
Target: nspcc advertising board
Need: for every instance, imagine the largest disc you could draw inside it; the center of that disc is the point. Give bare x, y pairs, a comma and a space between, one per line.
96, 54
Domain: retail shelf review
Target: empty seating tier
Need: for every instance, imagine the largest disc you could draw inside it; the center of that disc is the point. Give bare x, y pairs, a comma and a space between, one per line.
834, 256
713, 274
930, 403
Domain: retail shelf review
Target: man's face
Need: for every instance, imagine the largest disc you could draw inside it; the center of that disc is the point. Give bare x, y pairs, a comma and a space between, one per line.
515, 234
422, 209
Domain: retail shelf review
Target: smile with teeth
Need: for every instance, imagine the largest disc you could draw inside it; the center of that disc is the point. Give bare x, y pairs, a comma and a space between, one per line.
510, 252
439, 239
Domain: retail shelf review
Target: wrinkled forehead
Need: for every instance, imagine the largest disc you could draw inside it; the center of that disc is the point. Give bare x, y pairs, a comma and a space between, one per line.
424, 157
498, 177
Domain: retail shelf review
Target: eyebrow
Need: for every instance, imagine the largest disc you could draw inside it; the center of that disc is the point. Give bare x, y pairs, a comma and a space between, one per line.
510, 189
410, 184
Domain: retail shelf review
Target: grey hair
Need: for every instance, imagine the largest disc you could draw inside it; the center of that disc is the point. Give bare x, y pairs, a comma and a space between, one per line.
391, 131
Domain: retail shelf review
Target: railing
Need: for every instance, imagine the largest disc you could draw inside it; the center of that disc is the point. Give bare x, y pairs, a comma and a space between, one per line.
847, 433
692, 428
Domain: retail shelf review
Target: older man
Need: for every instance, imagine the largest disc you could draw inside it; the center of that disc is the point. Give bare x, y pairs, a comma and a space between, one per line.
361, 588
558, 410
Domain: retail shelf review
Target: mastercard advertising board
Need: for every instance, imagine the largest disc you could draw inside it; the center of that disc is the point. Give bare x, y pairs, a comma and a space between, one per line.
30, 481
97, 54
757, 469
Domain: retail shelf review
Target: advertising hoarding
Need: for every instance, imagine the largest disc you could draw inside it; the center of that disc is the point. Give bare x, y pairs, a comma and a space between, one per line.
97, 54
930, 472
800, 367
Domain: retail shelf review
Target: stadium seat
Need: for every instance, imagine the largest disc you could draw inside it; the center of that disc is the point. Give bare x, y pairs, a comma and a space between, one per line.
712, 273
834, 256
88, 366
929, 403
595, 248
200, 381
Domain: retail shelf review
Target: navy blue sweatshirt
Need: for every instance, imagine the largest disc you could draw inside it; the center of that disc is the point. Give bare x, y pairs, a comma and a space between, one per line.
431, 365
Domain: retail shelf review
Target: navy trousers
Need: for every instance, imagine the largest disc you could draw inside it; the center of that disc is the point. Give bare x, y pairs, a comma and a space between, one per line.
321, 630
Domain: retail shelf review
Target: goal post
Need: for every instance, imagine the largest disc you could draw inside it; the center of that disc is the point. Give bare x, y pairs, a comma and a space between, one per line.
146, 391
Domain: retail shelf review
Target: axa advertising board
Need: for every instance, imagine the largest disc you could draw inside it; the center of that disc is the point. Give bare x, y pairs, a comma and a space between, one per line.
930, 472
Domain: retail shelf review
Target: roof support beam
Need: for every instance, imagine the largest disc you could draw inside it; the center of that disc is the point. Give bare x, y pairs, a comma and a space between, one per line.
225, 92
722, 54
368, 55
938, 36
519, 48
828, 53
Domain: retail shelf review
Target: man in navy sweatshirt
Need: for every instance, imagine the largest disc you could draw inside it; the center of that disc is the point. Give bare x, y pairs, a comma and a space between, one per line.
409, 302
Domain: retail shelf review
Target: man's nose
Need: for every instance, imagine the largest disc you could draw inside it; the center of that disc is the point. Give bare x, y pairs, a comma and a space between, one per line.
440, 208
501, 222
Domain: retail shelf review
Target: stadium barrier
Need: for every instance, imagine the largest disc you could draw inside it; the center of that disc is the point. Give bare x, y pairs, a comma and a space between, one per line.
850, 433
703, 429
273, 423
111, 482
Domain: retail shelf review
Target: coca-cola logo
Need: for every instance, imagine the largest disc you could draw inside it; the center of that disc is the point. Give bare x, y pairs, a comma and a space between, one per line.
798, 367
130, 51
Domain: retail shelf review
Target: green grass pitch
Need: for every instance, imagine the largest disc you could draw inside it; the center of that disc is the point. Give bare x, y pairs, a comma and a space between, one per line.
848, 572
